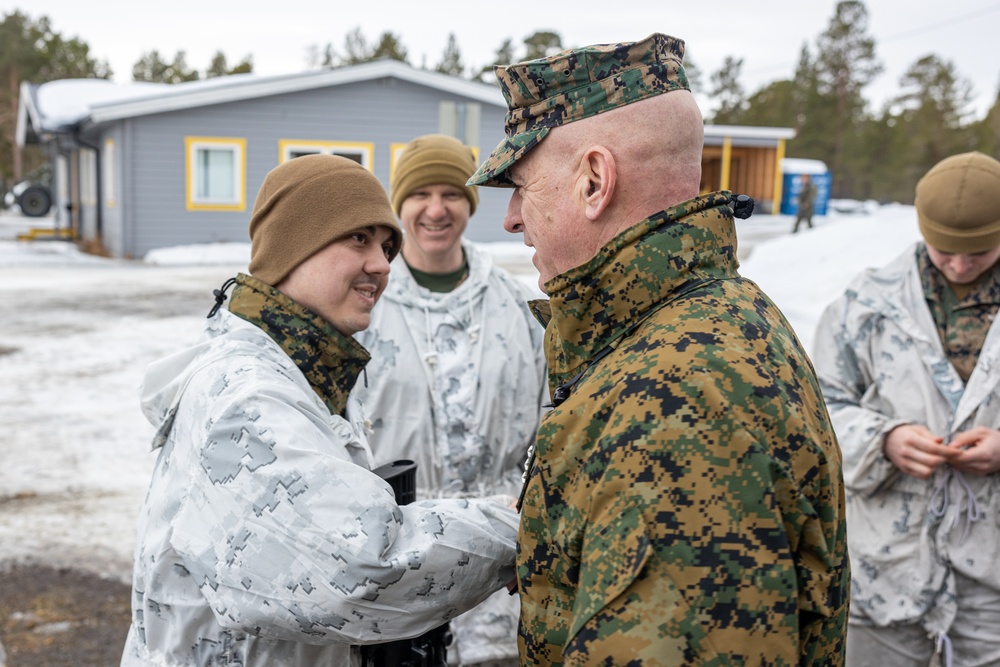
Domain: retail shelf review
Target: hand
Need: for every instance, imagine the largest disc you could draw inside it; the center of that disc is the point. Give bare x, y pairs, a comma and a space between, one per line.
512, 586
978, 451
916, 451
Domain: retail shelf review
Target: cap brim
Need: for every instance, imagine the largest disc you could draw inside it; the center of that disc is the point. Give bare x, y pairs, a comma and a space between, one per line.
493, 172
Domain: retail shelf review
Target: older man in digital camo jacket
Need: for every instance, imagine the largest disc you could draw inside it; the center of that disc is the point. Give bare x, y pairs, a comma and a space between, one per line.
685, 504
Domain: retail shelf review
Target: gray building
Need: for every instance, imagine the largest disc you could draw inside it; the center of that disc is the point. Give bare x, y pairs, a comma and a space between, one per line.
143, 166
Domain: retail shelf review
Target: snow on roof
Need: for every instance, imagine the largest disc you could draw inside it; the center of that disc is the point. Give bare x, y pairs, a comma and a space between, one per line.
749, 132
67, 101
59, 104
796, 165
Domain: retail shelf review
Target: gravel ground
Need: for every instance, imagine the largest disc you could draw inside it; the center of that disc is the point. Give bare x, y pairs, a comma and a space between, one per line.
61, 618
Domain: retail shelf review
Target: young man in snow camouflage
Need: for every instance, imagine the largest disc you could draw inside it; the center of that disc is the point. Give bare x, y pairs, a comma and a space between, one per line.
685, 503
907, 363
264, 538
457, 374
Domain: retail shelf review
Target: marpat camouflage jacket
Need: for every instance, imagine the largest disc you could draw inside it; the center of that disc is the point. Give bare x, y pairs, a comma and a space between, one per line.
264, 539
686, 505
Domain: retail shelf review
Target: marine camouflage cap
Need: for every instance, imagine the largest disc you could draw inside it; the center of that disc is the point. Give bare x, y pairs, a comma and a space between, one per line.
574, 84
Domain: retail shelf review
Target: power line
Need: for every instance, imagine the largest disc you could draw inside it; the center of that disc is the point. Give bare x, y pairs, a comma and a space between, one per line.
936, 26
902, 35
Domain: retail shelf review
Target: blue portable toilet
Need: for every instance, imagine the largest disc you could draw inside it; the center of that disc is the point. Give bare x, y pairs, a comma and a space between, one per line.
792, 171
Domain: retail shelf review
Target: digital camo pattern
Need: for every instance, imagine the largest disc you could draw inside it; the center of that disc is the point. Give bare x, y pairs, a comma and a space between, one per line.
962, 323
331, 362
574, 84
881, 364
264, 539
687, 505
456, 383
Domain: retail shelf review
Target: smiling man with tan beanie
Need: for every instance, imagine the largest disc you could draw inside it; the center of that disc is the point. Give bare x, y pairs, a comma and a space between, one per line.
907, 359
265, 539
457, 373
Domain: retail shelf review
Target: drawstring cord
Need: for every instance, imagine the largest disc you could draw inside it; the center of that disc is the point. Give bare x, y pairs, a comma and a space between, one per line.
945, 643
220, 296
431, 356
941, 499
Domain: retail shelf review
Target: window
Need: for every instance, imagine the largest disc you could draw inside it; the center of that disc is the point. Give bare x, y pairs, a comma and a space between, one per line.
109, 167
359, 151
216, 174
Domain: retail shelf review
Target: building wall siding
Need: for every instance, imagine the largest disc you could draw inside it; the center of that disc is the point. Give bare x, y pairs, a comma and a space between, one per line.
382, 112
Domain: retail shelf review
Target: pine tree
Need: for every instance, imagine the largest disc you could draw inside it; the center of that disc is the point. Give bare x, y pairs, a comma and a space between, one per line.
356, 48
845, 64
541, 44
504, 56
727, 91
390, 47
219, 66
31, 50
451, 61
151, 67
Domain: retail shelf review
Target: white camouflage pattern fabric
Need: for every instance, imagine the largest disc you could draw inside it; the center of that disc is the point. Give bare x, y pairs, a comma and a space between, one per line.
881, 364
456, 383
265, 540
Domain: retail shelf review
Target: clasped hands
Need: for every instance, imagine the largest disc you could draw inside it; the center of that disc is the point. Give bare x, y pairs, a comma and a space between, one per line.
918, 452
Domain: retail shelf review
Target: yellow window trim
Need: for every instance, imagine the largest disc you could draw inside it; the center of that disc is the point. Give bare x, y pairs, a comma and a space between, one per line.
110, 171
366, 148
190, 146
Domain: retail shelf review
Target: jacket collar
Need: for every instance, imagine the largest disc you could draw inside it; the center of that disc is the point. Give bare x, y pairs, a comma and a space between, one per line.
649, 264
403, 288
330, 361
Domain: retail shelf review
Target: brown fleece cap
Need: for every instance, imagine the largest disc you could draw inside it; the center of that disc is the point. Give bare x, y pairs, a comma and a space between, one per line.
958, 204
434, 159
307, 203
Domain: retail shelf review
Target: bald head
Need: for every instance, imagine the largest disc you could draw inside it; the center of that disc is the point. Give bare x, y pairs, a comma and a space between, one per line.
656, 145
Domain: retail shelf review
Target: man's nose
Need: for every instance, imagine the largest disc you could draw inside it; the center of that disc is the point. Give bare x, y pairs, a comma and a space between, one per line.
377, 263
436, 208
961, 263
512, 221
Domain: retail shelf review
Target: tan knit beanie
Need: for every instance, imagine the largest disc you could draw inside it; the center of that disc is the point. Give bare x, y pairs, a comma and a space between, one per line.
307, 203
958, 204
431, 160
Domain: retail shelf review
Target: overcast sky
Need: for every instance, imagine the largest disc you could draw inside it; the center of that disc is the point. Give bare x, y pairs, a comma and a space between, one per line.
767, 34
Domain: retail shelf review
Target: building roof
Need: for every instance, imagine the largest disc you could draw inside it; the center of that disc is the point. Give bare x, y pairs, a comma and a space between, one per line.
65, 105
60, 106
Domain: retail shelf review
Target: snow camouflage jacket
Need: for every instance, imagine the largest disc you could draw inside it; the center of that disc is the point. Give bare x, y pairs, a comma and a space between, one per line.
456, 383
264, 539
881, 364
686, 503
456, 380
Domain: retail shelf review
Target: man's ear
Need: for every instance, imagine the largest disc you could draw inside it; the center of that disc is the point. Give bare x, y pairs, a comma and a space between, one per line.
597, 181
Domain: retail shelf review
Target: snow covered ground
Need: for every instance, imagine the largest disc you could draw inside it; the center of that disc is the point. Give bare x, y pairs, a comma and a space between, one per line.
77, 331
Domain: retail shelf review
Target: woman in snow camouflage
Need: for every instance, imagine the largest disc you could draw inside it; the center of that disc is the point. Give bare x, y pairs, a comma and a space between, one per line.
264, 539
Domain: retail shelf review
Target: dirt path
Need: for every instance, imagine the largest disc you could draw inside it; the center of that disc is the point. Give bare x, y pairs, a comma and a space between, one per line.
61, 618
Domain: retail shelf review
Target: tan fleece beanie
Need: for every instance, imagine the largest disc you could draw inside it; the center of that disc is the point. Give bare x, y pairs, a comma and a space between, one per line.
434, 159
307, 203
958, 204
